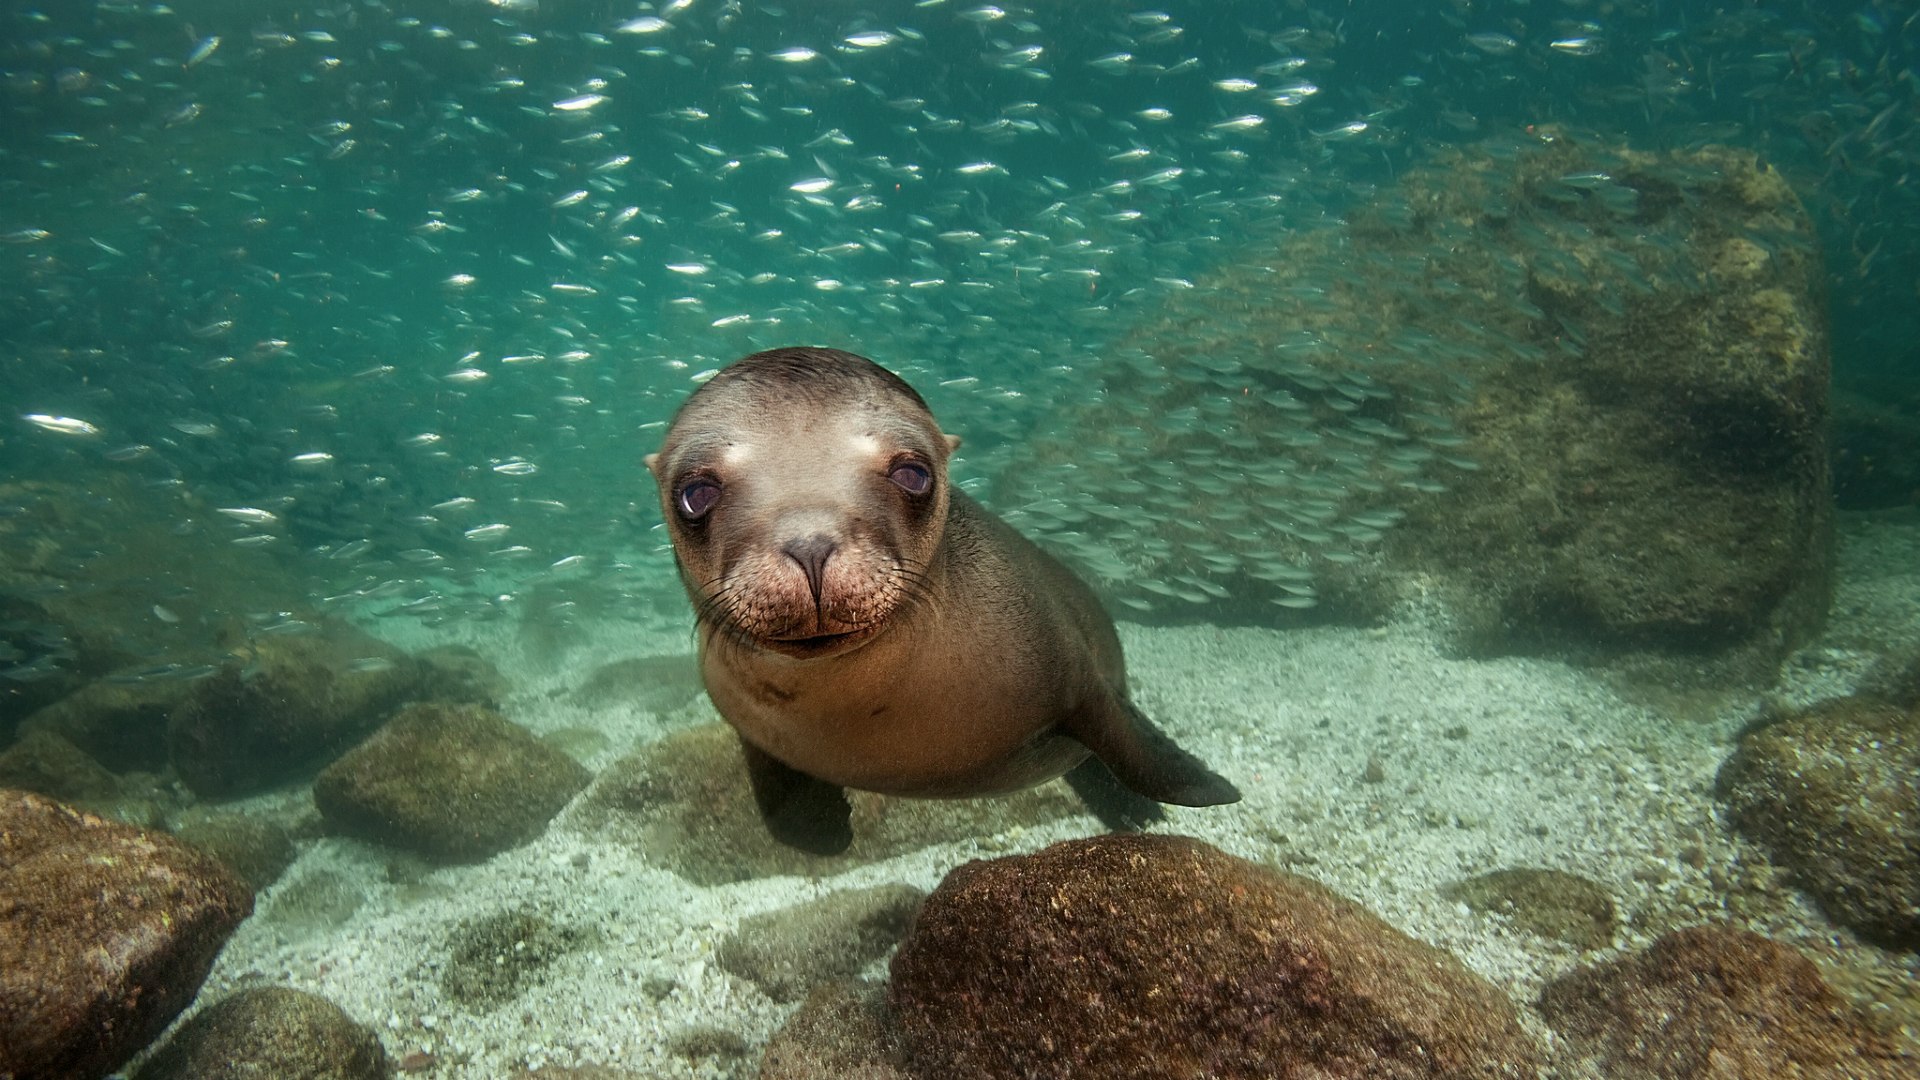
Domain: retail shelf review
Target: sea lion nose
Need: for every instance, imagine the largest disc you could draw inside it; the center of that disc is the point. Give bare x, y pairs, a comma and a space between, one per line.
811, 553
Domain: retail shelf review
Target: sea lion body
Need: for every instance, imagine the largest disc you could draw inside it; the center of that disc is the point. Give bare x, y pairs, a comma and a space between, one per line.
863, 624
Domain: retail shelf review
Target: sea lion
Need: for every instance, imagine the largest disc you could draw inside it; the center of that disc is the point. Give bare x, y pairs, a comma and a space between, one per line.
862, 623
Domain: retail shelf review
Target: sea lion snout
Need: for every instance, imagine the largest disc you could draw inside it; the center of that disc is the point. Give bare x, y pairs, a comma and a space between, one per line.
797, 585
811, 554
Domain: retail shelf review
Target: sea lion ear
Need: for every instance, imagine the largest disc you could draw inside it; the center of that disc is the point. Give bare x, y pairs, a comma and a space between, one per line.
652, 462
953, 442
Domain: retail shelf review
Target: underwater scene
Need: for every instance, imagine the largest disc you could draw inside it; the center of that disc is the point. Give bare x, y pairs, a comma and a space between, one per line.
613, 539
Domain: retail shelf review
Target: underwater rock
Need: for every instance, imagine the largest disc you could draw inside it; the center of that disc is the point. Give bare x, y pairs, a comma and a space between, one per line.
1709, 1002
1895, 680
106, 932
458, 675
491, 959
650, 683
46, 764
257, 851
1659, 479
291, 703
1576, 393
454, 783
40, 657
269, 1031
104, 572
1830, 793
685, 799
1549, 903
840, 1032
121, 724
1161, 956
786, 952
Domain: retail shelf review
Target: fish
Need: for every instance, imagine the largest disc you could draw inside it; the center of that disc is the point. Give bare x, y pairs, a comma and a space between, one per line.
518, 232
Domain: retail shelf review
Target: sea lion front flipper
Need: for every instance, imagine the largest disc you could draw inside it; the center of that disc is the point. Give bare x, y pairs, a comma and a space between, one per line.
1119, 808
801, 811
1143, 758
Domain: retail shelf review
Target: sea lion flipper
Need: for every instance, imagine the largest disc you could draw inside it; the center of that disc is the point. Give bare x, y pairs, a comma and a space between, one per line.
1146, 760
1119, 808
801, 811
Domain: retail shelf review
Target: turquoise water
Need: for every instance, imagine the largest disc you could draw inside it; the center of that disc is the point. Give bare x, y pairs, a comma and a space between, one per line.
373, 308
345, 263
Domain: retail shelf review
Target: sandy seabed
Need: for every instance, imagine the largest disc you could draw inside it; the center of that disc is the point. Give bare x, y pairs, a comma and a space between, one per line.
1370, 760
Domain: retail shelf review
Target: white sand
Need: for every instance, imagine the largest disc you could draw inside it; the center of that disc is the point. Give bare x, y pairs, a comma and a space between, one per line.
1554, 770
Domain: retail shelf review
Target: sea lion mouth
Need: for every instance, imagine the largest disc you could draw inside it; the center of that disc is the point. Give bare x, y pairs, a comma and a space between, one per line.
819, 644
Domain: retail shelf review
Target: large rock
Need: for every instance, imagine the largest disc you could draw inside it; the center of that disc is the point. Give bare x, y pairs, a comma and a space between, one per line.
1831, 793
121, 722
1621, 448
106, 932
272, 1031
1162, 957
46, 764
284, 707
1717, 1003
455, 783
93, 585
685, 799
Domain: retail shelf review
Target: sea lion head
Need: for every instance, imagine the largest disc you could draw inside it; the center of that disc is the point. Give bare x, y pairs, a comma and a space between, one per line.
806, 494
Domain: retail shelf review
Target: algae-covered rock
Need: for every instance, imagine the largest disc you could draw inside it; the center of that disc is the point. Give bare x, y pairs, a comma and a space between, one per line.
685, 799
454, 783
1551, 903
106, 932
1708, 1003
1831, 793
1575, 392
272, 1031
787, 952
458, 675
492, 959
121, 723
1140, 956
48, 764
93, 585
286, 705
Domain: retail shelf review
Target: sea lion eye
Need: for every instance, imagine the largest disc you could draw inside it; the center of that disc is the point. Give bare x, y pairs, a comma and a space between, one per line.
911, 477
697, 497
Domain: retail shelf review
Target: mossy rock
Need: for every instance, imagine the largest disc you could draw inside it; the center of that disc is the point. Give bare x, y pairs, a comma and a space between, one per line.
1830, 793
453, 783
1548, 903
491, 960
284, 707
270, 1031
48, 764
